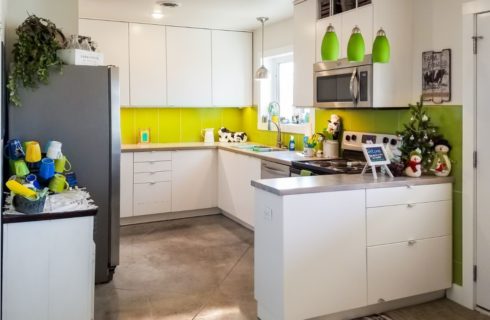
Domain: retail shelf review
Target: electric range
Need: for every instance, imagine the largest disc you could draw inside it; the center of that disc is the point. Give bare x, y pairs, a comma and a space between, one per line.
352, 160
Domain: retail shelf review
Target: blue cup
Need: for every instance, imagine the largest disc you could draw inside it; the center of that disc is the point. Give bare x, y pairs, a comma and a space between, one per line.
32, 180
71, 178
13, 150
46, 170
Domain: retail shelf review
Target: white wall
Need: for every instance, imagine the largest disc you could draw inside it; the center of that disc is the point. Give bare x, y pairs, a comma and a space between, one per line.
438, 25
64, 13
278, 36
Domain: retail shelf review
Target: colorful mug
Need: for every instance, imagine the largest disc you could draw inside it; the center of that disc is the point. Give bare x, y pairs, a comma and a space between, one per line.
71, 178
58, 183
31, 180
46, 171
20, 168
33, 151
13, 149
60, 164
54, 150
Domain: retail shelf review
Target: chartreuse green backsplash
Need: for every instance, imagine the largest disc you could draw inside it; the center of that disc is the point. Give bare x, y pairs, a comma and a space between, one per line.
185, 125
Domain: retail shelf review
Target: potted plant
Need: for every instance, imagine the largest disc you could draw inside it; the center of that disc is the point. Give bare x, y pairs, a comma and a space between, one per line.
34, 54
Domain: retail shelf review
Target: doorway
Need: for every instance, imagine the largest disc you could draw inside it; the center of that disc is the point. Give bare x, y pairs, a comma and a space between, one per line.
483, 169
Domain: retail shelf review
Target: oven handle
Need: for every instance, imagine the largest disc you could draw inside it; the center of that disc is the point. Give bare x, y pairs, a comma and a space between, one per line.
354, 82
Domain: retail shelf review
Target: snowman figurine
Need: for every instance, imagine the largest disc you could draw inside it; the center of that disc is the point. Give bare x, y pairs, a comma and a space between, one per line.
414, 167
441, 165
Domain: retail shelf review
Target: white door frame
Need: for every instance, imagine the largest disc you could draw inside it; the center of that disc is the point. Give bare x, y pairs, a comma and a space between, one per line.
465, 294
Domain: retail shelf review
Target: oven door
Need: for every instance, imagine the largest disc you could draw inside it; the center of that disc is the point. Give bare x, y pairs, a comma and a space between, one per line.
344, 88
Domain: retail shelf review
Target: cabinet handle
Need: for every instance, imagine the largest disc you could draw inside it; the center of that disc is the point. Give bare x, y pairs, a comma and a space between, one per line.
409, 186
381, 300
410, 205
412, 242
152, 183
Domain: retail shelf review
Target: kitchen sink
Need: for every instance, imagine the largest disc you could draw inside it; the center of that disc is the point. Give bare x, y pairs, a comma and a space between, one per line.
257, 148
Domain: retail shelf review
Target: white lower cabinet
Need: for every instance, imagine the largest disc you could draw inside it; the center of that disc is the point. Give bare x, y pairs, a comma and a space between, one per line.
409, 246
235, 193
194, 179
152, 197
48, 270
408, 268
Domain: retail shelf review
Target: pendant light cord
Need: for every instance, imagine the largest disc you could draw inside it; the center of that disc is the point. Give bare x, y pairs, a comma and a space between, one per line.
262, 62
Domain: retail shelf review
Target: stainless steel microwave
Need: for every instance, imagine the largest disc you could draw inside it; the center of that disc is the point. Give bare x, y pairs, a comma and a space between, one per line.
344, 84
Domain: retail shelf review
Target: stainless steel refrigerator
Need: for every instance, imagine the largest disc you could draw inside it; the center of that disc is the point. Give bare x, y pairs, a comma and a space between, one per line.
80, 108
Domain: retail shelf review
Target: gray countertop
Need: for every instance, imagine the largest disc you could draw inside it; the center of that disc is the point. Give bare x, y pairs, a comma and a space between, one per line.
340, 182
284, 157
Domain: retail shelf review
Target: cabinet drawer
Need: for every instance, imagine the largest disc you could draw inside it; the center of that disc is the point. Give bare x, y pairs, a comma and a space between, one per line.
402, 269
408, 222
154, 166
160, 176
407, 195
150, 198
152, 156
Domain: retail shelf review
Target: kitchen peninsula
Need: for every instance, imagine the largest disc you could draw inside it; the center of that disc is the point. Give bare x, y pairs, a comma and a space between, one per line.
343, 246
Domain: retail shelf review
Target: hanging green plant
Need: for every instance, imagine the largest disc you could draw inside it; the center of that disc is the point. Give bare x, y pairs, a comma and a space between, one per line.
34, 54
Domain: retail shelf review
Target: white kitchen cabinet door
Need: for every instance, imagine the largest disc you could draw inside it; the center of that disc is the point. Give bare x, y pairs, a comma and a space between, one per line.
147, 65
247, 169
406, 269
48, 270
189, 67
194, 179
227, 184
152, 198
363, 18
393, 80
321, 28
232, 68
113, 41
126, 196
304, 52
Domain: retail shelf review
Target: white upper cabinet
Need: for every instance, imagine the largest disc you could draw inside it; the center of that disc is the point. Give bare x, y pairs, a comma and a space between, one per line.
113, 41
361, 17
232, 68
304, 52
395, 17
189, 67
321, 28
147, 64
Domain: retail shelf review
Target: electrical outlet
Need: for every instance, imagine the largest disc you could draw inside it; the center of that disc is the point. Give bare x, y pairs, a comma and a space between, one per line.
268, 214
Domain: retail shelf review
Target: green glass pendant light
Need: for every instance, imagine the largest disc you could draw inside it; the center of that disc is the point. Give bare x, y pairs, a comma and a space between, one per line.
381, 48
356, 47
330, 45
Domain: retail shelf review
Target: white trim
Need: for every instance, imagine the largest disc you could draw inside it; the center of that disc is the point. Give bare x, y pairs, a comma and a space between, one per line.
465, 294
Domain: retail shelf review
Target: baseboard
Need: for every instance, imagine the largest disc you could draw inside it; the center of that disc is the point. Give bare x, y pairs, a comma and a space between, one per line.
237, 220
169, 216
368, 310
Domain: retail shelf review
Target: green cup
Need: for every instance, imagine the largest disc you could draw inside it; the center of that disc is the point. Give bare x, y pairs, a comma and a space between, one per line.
58, 183
62, 164
19, 168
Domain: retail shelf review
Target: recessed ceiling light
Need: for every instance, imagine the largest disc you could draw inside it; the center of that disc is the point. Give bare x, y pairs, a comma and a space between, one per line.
157, 15
169, 4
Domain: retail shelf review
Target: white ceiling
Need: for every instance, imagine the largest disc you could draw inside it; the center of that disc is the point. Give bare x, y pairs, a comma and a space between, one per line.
214, 14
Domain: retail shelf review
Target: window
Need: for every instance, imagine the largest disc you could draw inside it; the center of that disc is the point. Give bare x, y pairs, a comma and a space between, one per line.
279, 88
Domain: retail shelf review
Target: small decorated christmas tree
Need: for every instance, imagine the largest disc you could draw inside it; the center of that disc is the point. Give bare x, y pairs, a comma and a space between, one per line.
419, 134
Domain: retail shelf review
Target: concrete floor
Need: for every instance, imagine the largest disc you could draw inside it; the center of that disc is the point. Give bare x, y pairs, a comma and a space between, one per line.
202, 268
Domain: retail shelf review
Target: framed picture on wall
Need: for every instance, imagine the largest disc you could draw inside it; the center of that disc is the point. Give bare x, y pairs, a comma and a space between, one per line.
436, 76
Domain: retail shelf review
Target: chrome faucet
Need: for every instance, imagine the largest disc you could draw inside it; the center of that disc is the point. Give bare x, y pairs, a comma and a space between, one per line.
274, 105
279, 135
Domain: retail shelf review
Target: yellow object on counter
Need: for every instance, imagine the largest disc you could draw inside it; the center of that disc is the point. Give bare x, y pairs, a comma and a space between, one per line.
21, 190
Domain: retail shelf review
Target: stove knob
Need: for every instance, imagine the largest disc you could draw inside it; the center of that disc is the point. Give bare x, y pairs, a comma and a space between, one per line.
347, 138
386, 140
354, 137
393, 142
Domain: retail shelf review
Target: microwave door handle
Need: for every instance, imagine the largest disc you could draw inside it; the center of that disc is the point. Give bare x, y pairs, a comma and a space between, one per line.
354, 87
